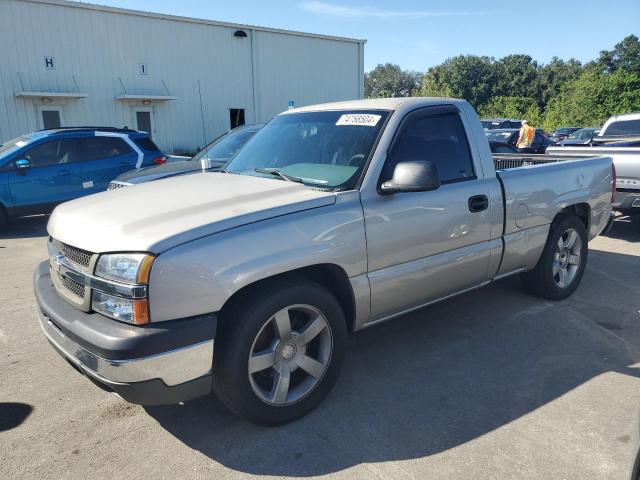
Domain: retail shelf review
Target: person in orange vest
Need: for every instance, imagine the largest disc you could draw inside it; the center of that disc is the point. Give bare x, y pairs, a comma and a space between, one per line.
525, 139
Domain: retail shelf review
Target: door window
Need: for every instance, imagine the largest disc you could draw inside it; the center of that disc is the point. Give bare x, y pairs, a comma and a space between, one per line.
439, 138
96, 148
143, 121
56, 152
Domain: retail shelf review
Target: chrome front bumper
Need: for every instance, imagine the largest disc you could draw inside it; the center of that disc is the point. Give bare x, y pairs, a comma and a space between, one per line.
173, 367
160, 363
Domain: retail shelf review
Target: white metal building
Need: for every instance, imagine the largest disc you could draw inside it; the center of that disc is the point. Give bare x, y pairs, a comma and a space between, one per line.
187, 80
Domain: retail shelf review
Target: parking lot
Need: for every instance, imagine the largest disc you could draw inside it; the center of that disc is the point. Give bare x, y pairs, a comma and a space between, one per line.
492, 384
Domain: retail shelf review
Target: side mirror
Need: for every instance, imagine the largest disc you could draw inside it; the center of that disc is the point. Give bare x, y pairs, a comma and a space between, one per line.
22, 165
418, 176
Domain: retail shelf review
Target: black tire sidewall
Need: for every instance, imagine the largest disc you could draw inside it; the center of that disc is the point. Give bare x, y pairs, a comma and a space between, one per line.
552, 290
240, 328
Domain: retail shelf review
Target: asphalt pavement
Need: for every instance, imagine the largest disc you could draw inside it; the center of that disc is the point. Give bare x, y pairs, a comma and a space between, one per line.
494, 384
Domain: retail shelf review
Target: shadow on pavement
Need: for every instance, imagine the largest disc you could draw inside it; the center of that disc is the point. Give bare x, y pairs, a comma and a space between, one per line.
13, 414
625, 227
27, 227
429, 381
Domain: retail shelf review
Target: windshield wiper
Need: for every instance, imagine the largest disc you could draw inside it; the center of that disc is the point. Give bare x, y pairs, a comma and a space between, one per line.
277, 173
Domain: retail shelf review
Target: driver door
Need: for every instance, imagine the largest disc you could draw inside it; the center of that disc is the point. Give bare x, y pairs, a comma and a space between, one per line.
422, 246
53, 175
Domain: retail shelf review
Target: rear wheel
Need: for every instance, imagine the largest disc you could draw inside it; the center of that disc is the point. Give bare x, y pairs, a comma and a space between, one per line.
279, 352
564, 258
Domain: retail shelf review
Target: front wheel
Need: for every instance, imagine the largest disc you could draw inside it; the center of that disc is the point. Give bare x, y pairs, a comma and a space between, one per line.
564, 258
279, 352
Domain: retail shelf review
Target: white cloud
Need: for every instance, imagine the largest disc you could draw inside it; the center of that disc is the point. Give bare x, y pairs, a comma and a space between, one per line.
344, 11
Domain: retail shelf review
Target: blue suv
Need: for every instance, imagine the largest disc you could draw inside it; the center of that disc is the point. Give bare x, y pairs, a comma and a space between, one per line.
42, 169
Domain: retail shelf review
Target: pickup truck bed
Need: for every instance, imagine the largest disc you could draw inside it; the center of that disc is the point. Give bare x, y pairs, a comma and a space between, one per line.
627, 163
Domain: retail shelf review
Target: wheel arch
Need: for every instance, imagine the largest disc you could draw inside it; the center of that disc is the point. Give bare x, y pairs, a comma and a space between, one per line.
580, 210
329, 275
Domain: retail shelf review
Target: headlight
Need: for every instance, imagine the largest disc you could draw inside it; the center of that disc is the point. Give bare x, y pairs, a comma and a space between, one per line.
124, 309
127, 268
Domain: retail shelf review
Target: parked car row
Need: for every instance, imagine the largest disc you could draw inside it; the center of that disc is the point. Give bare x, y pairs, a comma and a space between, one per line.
43, 169
618, 131
218, 152
510, 137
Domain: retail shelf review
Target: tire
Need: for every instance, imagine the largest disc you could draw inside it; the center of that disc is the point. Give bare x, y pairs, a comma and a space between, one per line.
547, 279
280, 360
4, 217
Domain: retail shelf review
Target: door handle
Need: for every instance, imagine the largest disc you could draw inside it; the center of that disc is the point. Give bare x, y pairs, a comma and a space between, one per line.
478, 203
124, 164
64, 173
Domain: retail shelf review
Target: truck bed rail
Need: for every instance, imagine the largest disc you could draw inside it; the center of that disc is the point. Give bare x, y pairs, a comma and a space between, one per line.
506, 161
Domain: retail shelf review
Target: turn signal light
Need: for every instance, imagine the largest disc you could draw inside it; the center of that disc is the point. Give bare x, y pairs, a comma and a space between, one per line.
140, 312
160, 160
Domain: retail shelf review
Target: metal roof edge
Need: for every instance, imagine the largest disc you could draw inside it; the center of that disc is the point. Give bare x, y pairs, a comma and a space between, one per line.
178, 18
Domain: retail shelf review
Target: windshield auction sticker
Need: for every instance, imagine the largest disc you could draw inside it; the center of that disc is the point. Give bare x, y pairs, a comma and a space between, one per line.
361, 119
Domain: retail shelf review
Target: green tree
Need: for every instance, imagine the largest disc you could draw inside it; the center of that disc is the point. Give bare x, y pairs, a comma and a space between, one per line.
592, 98
390, 80
517, 76
465, 76
554, 75
625, 56
513, 107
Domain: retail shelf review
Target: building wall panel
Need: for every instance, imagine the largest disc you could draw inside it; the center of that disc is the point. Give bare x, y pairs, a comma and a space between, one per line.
98, 51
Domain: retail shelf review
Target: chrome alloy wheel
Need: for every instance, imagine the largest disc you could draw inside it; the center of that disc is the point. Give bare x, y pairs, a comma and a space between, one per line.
567, 257
290, 355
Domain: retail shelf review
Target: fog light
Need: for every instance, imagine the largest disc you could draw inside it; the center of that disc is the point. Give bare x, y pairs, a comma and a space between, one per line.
123, 309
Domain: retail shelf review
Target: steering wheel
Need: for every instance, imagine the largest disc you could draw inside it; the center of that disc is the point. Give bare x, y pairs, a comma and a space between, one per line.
358, 157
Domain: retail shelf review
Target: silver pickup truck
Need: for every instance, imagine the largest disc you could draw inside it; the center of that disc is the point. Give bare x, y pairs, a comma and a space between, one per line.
331, 219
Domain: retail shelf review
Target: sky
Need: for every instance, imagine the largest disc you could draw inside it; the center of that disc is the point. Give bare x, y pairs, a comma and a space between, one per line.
419, 34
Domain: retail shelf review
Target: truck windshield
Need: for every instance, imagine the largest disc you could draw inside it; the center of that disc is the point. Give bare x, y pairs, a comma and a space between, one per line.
625, 127
322, 149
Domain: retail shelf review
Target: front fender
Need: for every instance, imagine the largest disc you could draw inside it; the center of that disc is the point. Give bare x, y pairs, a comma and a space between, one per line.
200, 276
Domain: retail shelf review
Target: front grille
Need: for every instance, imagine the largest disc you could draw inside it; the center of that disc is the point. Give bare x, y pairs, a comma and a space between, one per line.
73, 287
116, 185
76, 255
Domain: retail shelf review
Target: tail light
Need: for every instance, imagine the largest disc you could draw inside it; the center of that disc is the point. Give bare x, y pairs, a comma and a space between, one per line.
160, 160
614, 181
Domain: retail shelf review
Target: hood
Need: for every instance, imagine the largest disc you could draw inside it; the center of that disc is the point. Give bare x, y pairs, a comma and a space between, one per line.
156, 216
157, 172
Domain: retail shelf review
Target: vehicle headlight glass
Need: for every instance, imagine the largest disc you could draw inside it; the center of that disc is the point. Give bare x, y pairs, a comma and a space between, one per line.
128, 268
125, 267
124, 309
